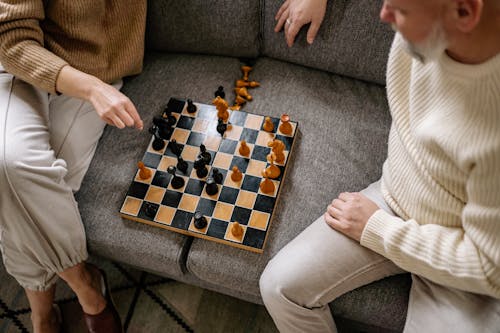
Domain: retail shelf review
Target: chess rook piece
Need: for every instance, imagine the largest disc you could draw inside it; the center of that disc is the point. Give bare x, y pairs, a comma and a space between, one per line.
268, 125
175, 148
246, 70
267, 185
285, 127
243, 92
182, 165
277, 147
200, 221
205, 154
191, 108
272, 170
244, 149
221, 127
211, 186
158, 142
217, 176
221, 106
144, 173
176, 182
236, 230
220, 92
167, 114
251, 84
150, 209
236, 174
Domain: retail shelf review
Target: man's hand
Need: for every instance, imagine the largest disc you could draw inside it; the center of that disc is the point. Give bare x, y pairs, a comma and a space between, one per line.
111, 105
349, 214
294, 14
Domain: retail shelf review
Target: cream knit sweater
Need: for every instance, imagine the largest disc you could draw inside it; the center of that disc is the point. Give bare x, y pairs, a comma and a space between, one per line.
104, 38
442, 173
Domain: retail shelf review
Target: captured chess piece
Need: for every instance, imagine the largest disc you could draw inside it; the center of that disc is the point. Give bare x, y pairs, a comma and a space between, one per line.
176, 182
244, 149
211, 186
243, 92
158, 142
175, 148
182, 165
221, 127
221, 106
246, 70
285, 127
236, 175
277, 147
217, 176
243, 83
220, 92
144, 173
239, 100
272, 170
205, 154
191, 108
200, 221
267, 185
268, 125
236, 230
150, 209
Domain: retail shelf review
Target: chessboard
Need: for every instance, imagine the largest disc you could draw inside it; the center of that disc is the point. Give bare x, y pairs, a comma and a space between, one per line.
155, 202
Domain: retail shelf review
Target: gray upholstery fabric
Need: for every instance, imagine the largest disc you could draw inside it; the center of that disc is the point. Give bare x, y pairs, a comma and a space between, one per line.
351, 41
206, 27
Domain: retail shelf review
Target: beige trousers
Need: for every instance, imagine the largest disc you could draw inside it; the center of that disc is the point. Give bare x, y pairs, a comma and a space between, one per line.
46, 145
321, 264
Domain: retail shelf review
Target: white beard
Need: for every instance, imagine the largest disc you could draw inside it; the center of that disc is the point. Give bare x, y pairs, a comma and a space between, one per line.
431, 48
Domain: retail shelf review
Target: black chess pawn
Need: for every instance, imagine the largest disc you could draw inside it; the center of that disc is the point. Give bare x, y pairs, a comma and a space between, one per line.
176, 182
167, 114
217, 176
221, 127
205, 154
164, 128
175, 148
158, 142
220, 92
191, 108
150, 209
200, 221
201, 167
211, 186
182, 165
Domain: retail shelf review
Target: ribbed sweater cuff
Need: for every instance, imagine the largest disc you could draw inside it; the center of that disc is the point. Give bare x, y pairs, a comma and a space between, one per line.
376, 227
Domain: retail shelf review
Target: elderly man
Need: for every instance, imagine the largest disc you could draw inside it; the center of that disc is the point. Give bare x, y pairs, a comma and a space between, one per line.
436, 210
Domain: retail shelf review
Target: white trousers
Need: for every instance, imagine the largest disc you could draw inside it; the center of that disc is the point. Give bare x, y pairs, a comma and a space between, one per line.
46, 145
321, 264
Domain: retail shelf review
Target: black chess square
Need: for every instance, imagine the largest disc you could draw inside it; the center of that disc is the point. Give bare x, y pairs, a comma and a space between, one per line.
206, 206
260, 153
238, 118
168, 151
151, 160
251, 183
241, 215
196, 139
254, 238
171, 198
185, 122
228, 194
148, 211
240, 162
182, 219
161, 178
217, 228
176, 105
264, 203
138, 190
194, 187
228, 146
249, 135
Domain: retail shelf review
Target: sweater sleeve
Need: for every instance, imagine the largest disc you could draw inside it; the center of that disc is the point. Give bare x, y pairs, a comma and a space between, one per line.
22, 51
465, 258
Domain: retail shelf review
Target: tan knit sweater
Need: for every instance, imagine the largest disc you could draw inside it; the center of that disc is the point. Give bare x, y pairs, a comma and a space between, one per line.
104, 38
442, 173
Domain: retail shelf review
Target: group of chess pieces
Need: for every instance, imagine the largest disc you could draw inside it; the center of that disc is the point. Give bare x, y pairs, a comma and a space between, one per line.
240, 89
162, 129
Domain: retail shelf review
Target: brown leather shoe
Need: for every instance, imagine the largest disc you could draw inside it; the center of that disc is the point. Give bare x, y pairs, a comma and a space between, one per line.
108, 320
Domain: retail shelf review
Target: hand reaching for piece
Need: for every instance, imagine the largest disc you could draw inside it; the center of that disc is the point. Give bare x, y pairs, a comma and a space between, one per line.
294, 14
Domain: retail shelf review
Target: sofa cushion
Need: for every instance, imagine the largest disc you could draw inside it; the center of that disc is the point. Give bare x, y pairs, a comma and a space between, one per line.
204, 26
351, 40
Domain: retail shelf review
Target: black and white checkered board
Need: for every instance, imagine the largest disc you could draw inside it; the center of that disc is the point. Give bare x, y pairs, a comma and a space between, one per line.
241, 201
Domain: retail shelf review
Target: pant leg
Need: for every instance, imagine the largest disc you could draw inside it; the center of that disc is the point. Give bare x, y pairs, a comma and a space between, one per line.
41, 232
319, 265
435, 308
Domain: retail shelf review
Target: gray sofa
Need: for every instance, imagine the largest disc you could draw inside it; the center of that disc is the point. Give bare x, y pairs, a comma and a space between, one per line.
333, 88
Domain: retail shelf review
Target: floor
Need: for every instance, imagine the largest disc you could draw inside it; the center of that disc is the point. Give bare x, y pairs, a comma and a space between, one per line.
147, 303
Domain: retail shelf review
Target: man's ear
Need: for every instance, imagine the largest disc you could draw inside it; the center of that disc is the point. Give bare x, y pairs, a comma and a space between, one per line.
466, 14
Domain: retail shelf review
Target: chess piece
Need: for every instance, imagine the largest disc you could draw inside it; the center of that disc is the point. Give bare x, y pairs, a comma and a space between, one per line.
236, 175
236, 230
239, 100
277, 147
158, 142
220, 92
167, 114
182, 165
267, 185
175, 148
272, 170
244, 149
164, 128
150, 209
246, 70
176, 182
236, 107
251, 84
221, 127
211, 186
205, 154
268, 125
285, 127
243, 92
217, 176
191, 108
144, 173
221, 106
200, 167
200, 221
